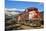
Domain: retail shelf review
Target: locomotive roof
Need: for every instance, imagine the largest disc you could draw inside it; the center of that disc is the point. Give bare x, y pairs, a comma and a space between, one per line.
32, 8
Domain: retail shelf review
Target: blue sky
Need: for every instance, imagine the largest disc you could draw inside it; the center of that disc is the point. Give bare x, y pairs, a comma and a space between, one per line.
23, 4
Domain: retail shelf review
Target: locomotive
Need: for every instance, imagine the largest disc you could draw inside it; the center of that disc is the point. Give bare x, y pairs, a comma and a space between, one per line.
30, 16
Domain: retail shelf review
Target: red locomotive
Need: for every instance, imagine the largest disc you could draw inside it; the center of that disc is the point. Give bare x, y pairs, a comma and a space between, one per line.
30, 15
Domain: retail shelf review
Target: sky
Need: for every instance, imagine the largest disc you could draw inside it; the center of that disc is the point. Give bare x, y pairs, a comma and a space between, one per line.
11, 4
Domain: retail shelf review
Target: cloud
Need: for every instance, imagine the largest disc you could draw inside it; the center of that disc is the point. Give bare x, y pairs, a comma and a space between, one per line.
14, 9
10, 9
40, 10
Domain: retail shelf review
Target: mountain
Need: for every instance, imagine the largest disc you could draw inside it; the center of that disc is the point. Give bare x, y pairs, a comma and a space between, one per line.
10, 13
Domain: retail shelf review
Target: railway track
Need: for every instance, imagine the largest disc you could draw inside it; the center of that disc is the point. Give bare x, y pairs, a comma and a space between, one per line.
20, 26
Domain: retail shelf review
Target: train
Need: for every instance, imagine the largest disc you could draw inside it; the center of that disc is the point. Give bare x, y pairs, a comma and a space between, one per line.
30, 16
